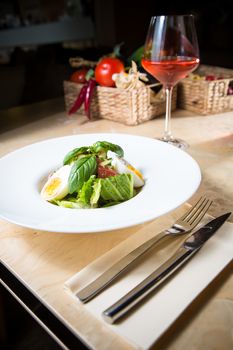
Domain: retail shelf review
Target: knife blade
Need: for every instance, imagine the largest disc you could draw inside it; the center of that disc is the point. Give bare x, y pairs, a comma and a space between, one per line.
189, 247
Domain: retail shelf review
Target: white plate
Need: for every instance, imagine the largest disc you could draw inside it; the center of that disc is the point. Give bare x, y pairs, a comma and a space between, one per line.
171, 178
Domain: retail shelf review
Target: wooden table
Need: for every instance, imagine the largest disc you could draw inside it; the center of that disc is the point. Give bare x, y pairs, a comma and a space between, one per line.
44, 261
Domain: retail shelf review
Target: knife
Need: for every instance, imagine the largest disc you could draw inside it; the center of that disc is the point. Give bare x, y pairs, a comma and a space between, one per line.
189, 247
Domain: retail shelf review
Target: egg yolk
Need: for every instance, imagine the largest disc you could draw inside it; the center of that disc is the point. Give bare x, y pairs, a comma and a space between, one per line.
137, 172
52, 186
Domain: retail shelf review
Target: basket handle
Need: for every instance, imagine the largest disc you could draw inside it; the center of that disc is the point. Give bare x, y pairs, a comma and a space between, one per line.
77, 62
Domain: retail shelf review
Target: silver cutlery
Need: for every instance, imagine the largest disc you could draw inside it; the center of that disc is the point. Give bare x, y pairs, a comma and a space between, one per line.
183, 225
191, 245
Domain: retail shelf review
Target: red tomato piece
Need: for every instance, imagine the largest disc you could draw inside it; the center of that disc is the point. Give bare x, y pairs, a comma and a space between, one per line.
104, 172
79, 76
106, 68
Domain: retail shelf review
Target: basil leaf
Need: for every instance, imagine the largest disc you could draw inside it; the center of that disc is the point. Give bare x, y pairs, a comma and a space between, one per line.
80, 172
73, 155
102, 147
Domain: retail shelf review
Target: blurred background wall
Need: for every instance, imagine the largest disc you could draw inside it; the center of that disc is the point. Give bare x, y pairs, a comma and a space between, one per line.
37, 38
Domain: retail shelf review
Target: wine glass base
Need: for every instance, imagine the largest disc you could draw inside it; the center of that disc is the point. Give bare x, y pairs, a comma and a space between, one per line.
175, 142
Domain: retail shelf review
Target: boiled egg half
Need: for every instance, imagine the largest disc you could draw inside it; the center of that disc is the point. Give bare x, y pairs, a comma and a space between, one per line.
123, 167
56, 186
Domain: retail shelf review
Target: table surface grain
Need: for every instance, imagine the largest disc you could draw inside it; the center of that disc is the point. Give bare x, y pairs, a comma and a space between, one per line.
55, 257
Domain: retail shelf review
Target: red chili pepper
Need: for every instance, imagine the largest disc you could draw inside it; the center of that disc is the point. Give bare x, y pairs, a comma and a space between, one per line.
87, 103
79, 100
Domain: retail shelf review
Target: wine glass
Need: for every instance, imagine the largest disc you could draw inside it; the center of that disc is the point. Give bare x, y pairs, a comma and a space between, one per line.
170, 53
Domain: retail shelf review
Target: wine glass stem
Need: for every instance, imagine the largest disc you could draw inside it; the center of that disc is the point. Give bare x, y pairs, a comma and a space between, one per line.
167, 131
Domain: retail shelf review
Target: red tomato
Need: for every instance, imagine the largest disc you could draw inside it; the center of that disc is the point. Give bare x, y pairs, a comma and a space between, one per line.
79, 76
104, 172
106, 68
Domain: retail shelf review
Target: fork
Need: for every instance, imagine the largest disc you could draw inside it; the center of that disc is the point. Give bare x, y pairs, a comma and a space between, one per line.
184, 224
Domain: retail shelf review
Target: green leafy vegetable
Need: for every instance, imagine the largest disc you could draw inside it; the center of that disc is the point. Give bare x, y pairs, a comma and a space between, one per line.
80, 172
86, 191
72, 205
93, 181
102, 147
110, 204
117, 188
74, 154
99, 148
96, 193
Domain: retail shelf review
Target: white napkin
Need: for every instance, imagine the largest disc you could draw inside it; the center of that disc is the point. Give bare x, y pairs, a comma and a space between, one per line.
151, 318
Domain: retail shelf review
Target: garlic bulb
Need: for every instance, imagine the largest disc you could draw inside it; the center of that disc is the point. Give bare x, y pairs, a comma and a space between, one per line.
131, 80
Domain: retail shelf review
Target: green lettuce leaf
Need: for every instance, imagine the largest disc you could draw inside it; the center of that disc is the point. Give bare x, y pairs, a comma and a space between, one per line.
117, 188
110, 204
96, 193
71, 204
86, 191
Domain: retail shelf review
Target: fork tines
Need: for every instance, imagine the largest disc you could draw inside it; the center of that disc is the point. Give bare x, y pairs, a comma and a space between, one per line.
196, 213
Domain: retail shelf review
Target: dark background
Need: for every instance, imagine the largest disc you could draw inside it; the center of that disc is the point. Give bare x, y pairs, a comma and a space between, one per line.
35, 72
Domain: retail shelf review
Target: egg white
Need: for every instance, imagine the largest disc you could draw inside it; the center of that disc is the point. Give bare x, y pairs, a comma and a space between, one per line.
56, 187
123, 167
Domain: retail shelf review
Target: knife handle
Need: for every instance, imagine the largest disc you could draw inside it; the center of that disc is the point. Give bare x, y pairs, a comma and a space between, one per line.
123, 305
95, 287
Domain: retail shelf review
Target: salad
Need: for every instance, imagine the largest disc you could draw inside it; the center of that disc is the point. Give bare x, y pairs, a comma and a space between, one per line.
93, 177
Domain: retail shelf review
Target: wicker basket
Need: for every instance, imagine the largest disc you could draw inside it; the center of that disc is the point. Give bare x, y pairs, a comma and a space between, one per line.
130, 107
206, 97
